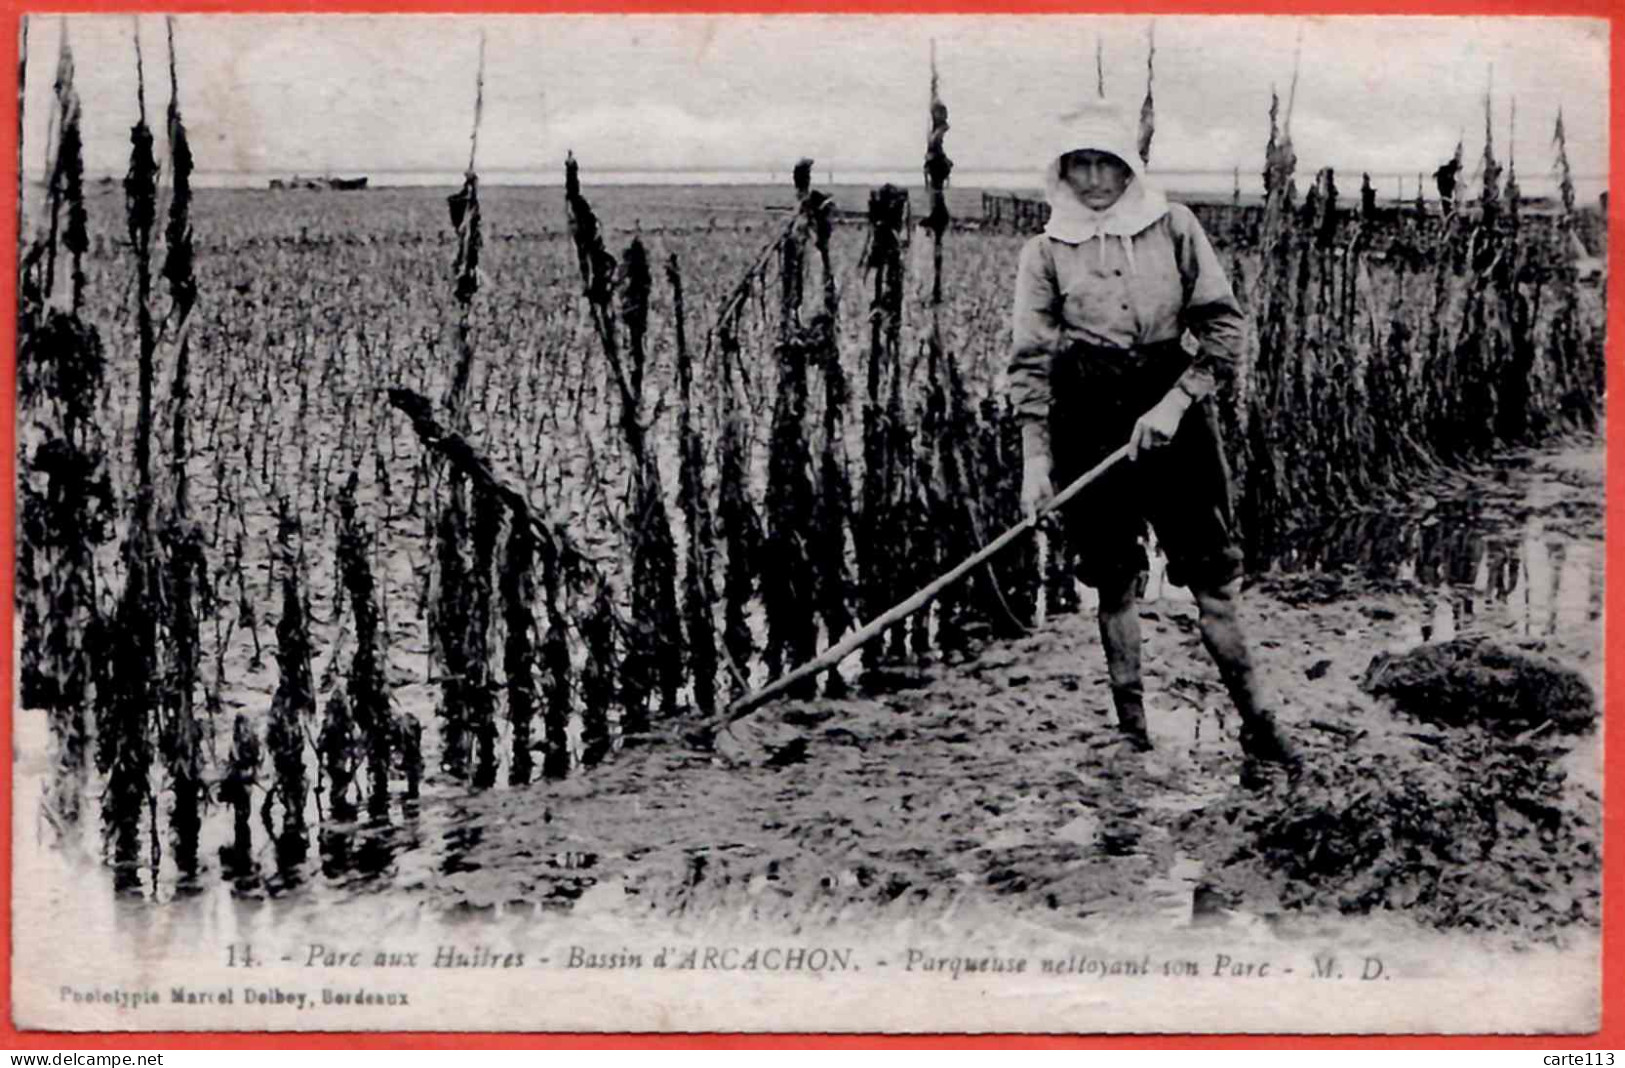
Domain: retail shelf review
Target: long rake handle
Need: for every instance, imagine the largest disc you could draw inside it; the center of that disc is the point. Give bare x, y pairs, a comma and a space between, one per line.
747, 704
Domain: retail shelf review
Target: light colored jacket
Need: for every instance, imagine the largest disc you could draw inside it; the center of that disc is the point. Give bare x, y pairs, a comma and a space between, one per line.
1118, 292
1138, 272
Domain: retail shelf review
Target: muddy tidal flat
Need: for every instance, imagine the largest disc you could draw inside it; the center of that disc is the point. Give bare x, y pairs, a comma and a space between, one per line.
980, 829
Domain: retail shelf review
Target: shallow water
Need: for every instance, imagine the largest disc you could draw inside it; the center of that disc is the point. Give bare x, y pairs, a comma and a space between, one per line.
1459, 565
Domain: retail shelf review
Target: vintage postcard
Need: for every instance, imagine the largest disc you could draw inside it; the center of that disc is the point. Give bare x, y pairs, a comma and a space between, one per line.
789, 523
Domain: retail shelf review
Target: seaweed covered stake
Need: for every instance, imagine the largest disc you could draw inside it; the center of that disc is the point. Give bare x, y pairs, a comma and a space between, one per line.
293, 704
558, 691
738, 521
1519, 414
237, 790
598, 678
948, 420
1148, 106
699, 587
968, 485
789, 587
451, 627
479, 689
408, 733
654, 660
181, 735
368, 698
179, 254
937, 169
596, 264
464, 206
338, 746
462, 607
65, 497
1266, 491
516, 584
833, 496
1576, 386
1480, 347
141, 213
883, 257
654, 663
187, 568
883, 545
127, 690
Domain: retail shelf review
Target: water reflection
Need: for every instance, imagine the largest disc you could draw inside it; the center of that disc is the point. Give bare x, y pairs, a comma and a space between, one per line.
291, 847
1458, 564
1545, 584
460, 837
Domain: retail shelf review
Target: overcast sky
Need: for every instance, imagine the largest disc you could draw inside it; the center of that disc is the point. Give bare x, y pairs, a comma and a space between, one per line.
360, 94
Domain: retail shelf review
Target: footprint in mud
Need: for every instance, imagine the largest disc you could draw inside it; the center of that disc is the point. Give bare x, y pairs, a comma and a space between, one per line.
1121, 827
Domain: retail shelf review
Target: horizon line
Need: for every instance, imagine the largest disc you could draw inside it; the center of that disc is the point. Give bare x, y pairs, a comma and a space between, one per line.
332, 172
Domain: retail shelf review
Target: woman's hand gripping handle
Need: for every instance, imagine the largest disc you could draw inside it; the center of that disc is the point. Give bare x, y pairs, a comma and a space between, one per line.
1036, 486
1157, 427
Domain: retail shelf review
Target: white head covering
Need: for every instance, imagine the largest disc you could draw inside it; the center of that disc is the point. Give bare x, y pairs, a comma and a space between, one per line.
1100, 127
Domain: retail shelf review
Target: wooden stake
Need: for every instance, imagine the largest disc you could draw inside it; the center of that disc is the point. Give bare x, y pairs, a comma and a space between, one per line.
834, 655
479, 106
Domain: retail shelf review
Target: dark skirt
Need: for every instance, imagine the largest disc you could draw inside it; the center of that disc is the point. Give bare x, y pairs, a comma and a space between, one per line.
1182, 489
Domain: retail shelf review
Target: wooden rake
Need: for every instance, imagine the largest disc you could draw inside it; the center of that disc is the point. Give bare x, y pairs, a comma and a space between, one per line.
705, 734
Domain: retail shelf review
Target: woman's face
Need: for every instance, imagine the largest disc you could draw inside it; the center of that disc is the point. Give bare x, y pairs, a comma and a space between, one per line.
1098, 178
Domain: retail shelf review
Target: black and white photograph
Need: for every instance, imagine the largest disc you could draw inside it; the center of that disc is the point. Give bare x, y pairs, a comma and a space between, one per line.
809, 523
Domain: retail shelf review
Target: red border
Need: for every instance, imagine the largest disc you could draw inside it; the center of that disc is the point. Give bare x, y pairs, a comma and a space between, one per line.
1612, 1034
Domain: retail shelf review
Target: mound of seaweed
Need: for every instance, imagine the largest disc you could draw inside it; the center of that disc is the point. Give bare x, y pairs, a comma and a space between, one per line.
1467, 831
1476, 681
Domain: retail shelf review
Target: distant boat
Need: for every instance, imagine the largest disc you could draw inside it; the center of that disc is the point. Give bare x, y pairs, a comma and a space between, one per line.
341, 184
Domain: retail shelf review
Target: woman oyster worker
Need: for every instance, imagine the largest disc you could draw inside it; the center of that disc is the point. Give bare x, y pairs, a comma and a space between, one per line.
1103, 298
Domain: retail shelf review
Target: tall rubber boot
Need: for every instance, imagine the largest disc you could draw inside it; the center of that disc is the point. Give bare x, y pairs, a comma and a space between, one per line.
1261, 737
1120, 634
